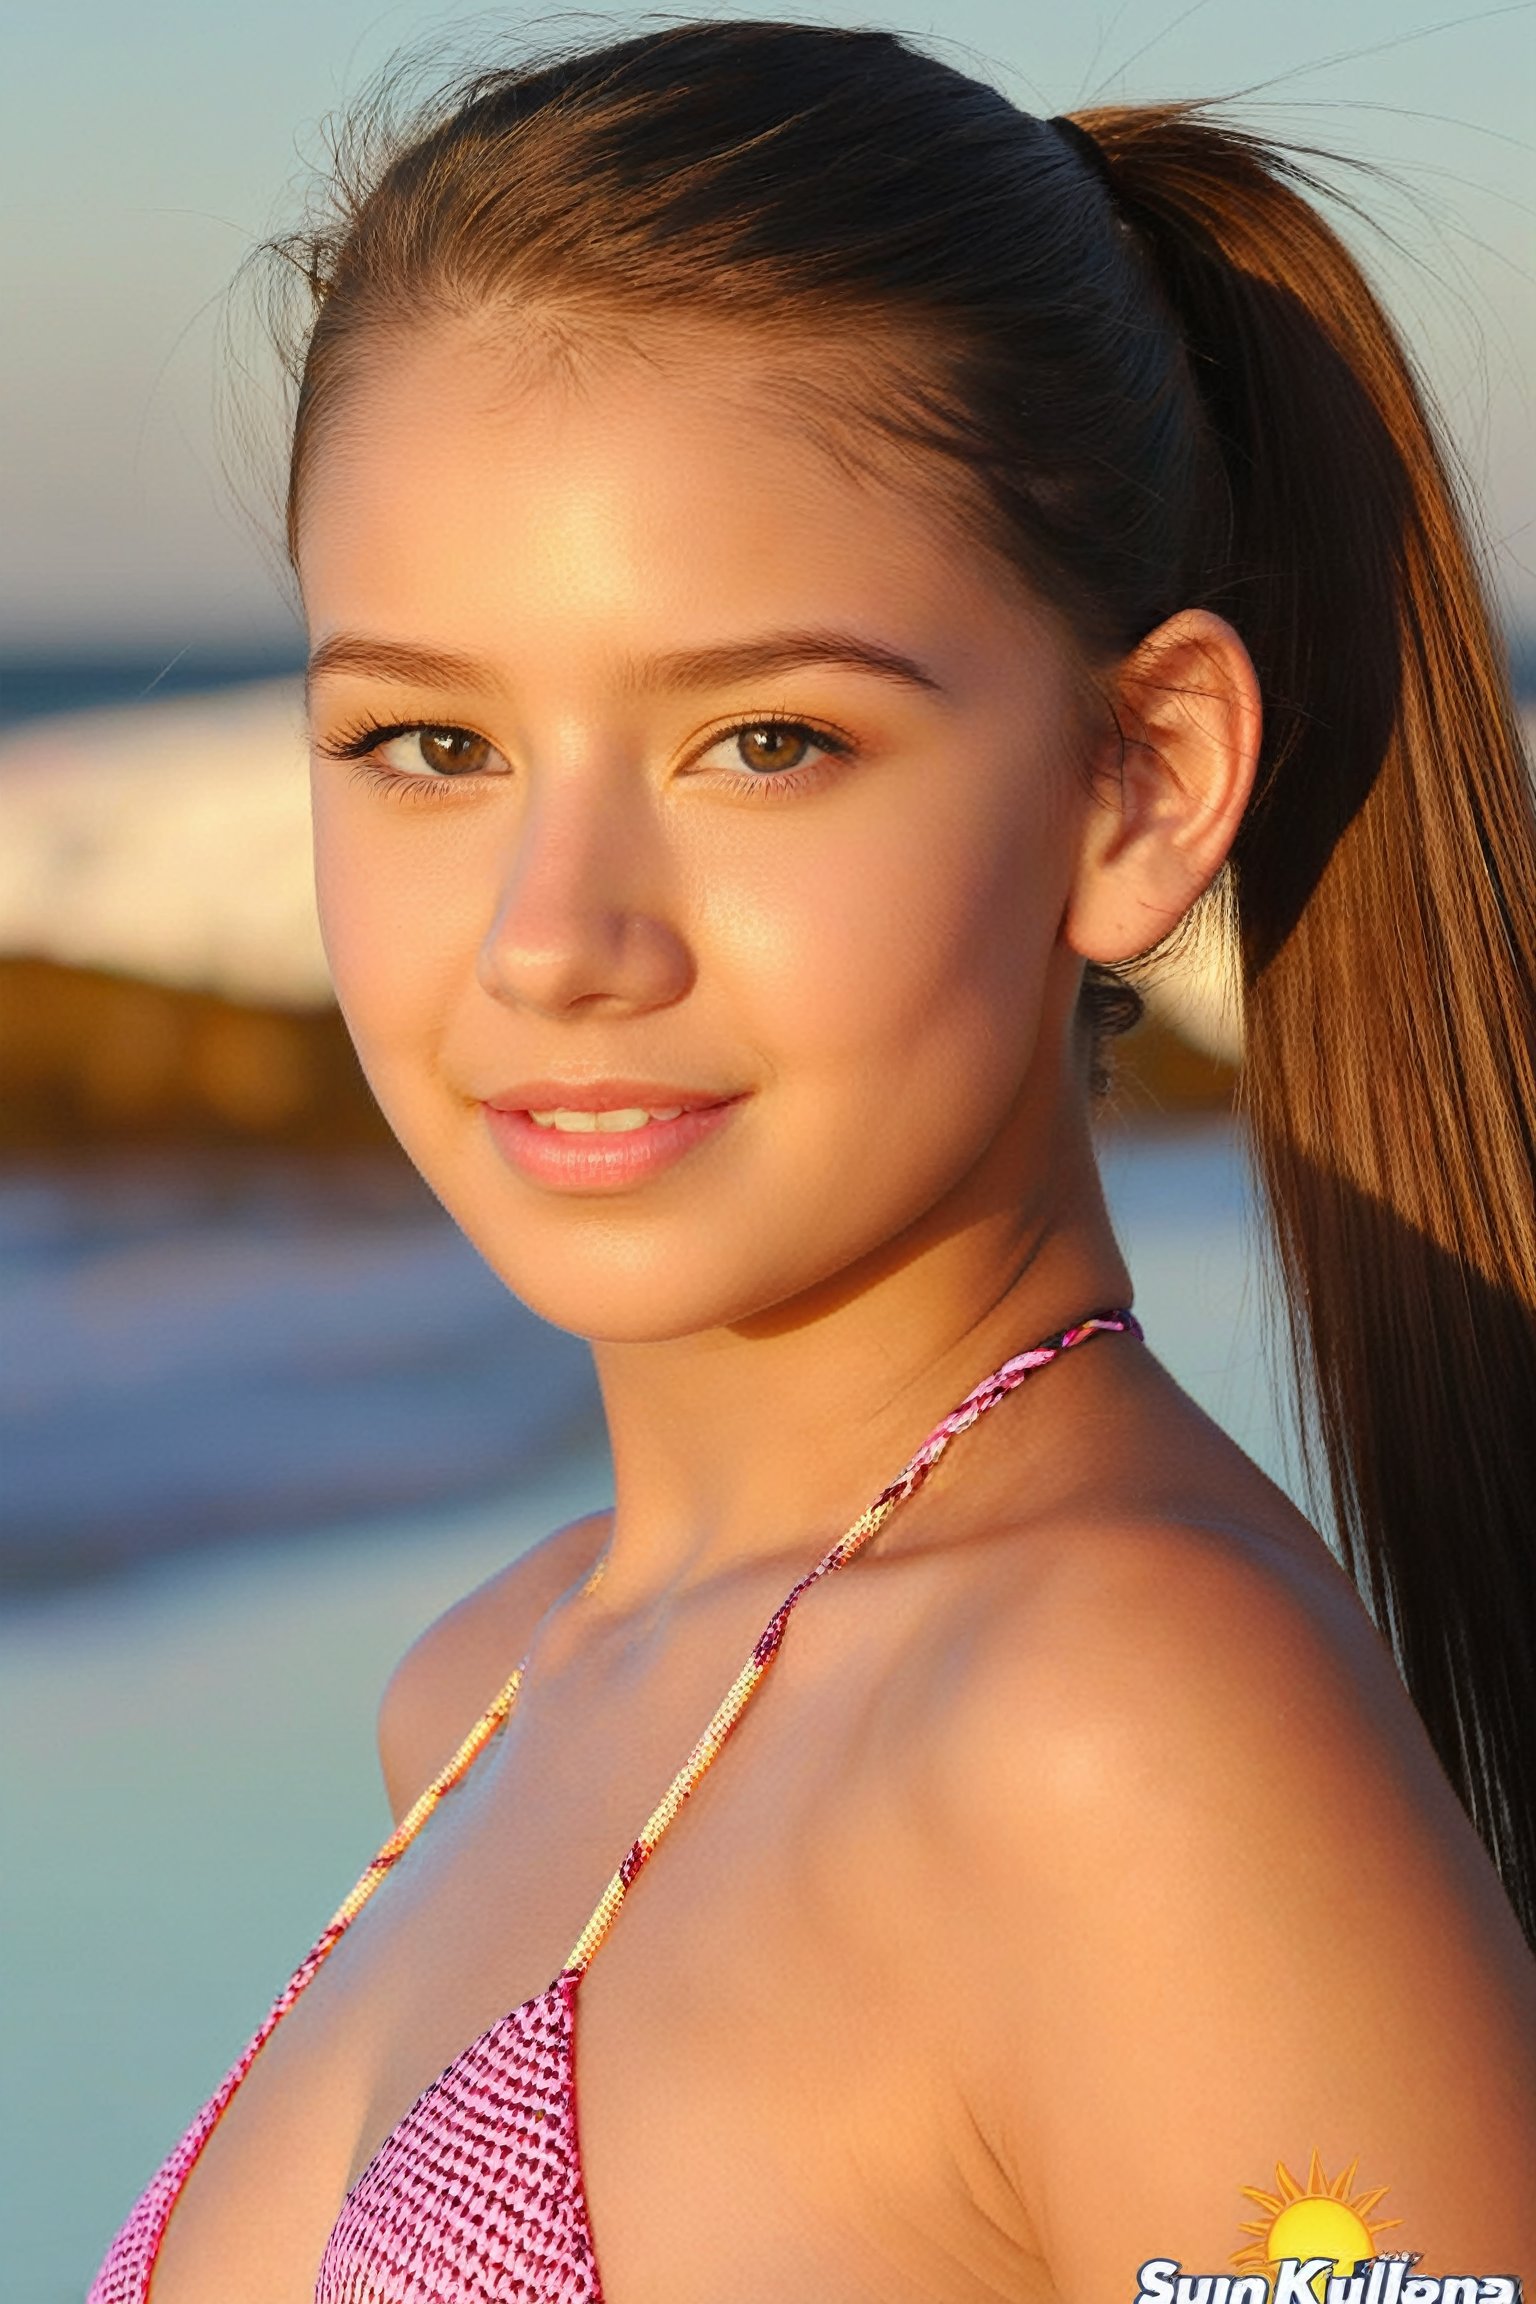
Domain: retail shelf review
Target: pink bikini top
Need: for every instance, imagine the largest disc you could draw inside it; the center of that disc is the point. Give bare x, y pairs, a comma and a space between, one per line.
476, 2197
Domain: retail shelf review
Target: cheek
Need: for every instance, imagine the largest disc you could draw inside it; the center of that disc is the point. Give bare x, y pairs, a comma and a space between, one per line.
394, 914
910, 954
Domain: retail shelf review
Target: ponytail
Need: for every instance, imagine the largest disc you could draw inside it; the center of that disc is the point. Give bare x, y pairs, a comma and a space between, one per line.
1385, 880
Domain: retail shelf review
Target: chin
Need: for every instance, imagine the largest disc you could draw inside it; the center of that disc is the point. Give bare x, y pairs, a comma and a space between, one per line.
614, 1287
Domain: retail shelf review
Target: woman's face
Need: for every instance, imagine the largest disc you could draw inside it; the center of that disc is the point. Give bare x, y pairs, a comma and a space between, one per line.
667, 763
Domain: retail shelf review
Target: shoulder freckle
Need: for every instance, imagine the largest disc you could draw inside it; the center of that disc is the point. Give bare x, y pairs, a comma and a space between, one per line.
454, 1669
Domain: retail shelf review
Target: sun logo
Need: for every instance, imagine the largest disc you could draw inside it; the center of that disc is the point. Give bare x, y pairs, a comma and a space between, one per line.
1319, 2218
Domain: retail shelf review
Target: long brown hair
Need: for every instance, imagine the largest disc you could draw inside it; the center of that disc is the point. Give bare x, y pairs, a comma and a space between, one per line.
1160, 381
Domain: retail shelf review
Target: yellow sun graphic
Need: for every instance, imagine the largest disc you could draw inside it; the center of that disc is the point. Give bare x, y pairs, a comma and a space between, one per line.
1319, 2218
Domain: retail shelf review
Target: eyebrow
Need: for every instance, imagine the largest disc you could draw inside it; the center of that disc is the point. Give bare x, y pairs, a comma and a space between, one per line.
717, 666
780, 652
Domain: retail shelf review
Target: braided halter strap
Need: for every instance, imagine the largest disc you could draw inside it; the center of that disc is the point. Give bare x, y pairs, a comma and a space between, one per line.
706, 1751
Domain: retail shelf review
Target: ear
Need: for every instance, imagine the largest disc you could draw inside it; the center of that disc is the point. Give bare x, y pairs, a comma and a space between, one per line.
1170, 786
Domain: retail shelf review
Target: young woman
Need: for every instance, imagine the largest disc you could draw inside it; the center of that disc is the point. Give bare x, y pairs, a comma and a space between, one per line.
811, 573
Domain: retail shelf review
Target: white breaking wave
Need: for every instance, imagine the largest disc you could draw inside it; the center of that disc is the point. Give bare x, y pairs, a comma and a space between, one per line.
168, 841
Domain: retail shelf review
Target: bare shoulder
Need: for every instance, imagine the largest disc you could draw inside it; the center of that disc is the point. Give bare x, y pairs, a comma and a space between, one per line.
1233, 1912
452, 1671
1130, 1629
1219, 1684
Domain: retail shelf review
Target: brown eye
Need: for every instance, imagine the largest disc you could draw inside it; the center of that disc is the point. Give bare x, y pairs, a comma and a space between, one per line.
450, 751
774, 745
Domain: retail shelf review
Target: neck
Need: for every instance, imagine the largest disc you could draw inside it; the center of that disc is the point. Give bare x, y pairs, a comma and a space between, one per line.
758, 1443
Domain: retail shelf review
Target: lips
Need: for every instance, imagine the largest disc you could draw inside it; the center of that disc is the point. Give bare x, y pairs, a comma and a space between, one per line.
602, 1136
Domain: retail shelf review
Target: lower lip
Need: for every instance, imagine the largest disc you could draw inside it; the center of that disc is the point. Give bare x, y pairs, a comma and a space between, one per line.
593, 1161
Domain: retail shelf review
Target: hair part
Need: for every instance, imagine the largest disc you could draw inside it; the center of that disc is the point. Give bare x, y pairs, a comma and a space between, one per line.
1160, 380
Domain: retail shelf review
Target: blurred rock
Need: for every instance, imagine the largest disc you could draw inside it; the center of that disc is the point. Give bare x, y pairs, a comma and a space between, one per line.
1157, 1074
89, 1058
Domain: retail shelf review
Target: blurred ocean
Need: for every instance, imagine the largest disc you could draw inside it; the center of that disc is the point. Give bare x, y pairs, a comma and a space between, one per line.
235, 1342
34, 685
188, 1775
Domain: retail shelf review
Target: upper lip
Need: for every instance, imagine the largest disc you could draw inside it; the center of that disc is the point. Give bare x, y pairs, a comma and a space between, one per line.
602, 1096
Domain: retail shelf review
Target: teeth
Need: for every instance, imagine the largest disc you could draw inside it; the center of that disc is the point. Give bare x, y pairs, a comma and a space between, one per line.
621, 1123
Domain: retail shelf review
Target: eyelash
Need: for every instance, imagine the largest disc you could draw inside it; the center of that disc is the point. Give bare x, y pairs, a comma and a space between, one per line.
358, 743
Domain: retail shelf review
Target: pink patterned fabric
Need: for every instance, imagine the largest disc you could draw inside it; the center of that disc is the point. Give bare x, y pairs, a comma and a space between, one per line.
476, 2196
478, 2193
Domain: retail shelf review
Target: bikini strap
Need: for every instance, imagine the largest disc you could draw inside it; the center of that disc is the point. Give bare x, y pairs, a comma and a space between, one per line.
707, 1750
491, 1720
986, 1395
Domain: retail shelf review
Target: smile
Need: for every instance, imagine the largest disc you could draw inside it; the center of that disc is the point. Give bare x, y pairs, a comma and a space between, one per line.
602, 1136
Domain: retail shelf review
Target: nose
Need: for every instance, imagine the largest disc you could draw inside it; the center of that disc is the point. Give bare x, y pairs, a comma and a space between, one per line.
582, 917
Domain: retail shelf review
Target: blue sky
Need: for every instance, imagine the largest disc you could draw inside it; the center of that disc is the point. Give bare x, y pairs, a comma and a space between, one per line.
144, 149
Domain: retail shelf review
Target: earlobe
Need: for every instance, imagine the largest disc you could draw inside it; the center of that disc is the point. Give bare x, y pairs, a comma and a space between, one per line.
1171, 782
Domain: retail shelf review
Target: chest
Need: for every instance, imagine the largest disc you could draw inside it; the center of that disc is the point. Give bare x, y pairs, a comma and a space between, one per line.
764, 2101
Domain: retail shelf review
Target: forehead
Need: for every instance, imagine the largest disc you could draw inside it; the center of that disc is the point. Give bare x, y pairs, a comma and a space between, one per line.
469, 485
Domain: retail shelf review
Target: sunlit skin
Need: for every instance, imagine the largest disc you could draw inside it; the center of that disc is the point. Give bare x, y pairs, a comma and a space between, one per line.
973, 1971
873, 960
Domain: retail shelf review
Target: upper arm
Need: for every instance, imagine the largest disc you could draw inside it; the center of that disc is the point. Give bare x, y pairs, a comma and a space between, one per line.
454, 1669
1245, 1922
